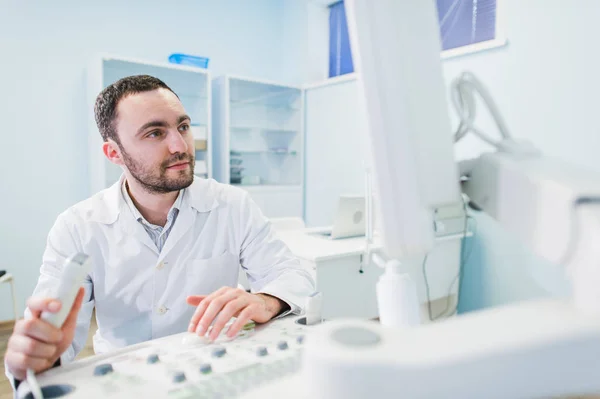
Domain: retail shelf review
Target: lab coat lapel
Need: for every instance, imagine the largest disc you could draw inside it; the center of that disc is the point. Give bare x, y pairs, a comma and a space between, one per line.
134, 228
109, 207
117, 206
185, 221
198, 197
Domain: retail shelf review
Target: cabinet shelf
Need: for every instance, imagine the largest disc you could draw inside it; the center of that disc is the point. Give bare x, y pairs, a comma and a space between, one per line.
259, 136
242, 128
200, 145
278, 107
280, 131
273, 187
259, 152
245, 92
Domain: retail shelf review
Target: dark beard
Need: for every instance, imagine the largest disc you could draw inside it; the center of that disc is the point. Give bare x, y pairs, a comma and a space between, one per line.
160, 184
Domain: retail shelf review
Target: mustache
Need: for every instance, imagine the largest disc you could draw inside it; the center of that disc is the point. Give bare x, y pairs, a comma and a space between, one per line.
177, 158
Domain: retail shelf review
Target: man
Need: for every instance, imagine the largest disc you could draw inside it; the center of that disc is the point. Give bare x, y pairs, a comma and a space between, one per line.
166, 248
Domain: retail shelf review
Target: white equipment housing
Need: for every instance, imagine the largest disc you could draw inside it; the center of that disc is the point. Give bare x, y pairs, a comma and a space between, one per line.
413, 158
536, 349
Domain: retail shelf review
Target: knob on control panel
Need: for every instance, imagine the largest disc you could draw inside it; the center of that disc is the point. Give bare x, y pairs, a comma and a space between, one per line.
152, 359
219, 351
205, 368
179, 376
262, 351
103, 369
282, 345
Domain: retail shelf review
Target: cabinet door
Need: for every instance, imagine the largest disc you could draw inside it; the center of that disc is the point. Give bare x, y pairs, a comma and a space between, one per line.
336, 148
265, 133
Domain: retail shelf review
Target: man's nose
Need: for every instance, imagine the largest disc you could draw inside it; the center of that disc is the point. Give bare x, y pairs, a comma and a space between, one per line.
177, 143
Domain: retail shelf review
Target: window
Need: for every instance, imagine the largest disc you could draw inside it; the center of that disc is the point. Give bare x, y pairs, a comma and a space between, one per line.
466, 22
340, 55
465, 26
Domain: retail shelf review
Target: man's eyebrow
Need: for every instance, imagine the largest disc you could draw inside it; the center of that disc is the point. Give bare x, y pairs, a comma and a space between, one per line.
183, 118
158, 123
151, 124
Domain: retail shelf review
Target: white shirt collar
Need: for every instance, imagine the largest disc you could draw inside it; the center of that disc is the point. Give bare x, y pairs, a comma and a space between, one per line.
105, 206
135, 211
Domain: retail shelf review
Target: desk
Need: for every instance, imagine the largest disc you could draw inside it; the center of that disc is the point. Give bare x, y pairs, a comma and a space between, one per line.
348, 292
310, 245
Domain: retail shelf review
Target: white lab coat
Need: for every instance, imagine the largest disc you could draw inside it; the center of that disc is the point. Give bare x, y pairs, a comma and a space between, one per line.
140, 294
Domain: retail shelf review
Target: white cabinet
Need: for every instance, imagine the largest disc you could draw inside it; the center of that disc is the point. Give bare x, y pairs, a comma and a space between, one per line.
259, 141
192, 85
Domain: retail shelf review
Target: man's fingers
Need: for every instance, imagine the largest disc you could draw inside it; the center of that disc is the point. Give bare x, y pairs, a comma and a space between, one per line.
37, 305
194, 300
38, 329
71, 319
31, 347
243, 318
202, 307
20, 362
226, 314
214, 307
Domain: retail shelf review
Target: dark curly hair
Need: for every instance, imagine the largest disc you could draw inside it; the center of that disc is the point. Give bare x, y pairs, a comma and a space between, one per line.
105, 108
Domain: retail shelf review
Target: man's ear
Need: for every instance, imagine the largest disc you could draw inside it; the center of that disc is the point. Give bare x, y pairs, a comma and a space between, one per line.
112, 152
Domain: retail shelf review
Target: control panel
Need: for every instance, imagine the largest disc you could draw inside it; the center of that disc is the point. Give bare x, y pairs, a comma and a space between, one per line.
183, 366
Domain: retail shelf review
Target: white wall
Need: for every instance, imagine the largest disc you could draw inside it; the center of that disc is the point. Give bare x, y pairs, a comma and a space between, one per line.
305, 41
44, 50
546, 80
546, 84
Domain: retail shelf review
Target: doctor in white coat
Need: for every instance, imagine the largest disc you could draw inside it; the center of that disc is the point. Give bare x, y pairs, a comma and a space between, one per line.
166, 247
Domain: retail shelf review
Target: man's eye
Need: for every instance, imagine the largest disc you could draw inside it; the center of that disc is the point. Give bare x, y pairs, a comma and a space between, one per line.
184, 128
154, 133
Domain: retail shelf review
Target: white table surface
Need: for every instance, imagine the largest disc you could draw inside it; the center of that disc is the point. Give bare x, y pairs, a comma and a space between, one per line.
309, 245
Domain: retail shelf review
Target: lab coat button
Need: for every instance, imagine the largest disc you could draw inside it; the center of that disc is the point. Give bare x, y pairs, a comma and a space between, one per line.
160, 266
162, 310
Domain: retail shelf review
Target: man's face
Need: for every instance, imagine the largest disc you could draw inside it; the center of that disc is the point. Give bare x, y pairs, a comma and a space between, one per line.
156, 144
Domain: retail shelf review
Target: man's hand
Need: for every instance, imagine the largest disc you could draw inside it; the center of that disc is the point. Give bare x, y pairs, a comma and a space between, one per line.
228, 302
36, 344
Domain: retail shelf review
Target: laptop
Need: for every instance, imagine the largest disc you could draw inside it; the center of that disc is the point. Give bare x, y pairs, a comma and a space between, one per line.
349, 218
